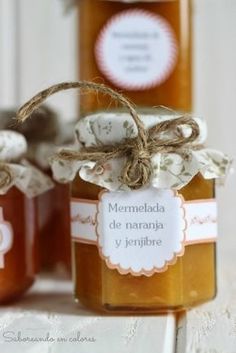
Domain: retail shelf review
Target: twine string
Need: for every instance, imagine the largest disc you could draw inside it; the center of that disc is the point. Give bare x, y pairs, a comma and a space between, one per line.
138, 151
6, 176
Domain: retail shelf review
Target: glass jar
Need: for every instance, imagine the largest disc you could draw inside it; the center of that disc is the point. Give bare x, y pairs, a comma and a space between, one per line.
105, 278
143, 212
54, 205
20, 184
42, 132
122, 42
19, 244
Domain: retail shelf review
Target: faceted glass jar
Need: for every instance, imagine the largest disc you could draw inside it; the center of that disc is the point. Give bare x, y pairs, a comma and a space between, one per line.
20, 262
190, 281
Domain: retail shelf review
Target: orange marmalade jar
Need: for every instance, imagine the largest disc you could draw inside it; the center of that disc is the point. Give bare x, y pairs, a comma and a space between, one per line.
143, 211
43, 132
19, 184
142, 48
142, 249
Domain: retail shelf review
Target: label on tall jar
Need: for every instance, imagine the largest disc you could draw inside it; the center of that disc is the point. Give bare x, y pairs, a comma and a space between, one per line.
136, 50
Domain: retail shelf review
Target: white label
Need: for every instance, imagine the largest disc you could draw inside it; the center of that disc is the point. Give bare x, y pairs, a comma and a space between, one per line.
142, 232
83, 220
201, 216
136, 50
6, 238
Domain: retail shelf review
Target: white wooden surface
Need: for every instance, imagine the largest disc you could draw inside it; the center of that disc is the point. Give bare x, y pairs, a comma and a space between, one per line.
46, 54
49, 311
211, 328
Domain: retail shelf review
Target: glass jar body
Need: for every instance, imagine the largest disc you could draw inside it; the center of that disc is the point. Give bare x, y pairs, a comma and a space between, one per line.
20, 262
54, 226
172, 89
190, 281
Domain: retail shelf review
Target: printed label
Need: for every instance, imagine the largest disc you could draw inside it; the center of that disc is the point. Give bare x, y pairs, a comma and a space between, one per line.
136, 50
83, 220
138, 234
201, 217
6, 238
142, 232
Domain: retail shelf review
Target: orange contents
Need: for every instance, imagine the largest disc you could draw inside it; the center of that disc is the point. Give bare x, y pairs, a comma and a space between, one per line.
54, 224
175, 90
20, 261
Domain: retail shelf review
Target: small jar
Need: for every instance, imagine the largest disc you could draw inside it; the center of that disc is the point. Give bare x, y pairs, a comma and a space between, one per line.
147, 250
54, 205
43, 132
18, 244
140, 47
19, 184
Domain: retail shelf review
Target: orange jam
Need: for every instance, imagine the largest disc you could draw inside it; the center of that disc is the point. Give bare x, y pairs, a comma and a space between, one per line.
19, 228
54, 226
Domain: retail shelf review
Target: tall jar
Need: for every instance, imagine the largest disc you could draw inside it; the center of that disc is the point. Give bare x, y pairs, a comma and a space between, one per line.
152, 249
20, 183
142, 48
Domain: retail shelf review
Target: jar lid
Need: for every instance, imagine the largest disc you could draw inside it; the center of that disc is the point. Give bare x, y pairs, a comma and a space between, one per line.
16, 171
170, 169
13, 146
116, 127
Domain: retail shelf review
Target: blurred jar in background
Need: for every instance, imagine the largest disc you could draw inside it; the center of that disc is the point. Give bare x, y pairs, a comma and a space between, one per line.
142, 48
20, 184
43, 132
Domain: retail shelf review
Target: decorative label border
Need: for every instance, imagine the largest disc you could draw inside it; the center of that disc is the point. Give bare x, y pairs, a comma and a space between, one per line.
110, 75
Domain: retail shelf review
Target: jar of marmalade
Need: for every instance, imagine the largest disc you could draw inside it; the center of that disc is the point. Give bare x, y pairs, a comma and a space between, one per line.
43, 132
19, 184
142, 48
147, 250
143, 208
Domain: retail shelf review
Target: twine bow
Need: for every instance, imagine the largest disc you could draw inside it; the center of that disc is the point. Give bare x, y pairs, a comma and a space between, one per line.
6, 175
138, 151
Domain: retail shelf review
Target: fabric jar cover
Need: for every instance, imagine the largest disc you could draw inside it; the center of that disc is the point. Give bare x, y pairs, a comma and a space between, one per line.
22, 174
170, 170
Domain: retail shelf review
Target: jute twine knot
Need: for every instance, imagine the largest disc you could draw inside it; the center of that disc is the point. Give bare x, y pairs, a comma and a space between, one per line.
164, 137
6, 175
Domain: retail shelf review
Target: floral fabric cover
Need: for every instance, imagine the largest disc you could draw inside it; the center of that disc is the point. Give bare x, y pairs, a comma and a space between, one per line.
171, 170
27, 178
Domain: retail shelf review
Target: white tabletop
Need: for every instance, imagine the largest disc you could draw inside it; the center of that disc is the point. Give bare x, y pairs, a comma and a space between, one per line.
49, 312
